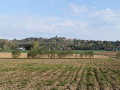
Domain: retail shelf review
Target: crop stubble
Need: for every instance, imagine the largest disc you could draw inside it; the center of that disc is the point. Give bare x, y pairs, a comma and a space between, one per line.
60, 74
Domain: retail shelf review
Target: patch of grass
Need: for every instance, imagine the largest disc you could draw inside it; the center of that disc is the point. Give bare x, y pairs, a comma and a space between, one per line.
88, 84
22, 51
83, 51
106, 72
39, 84
10, 82
49, 82
62, 83
36, 67
24, 82
54, 89
9, 69
6, 50
89, 74
70, 68
79, 51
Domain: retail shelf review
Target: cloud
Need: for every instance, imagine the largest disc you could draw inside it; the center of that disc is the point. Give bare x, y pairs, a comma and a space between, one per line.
107, 16
41, 24
98, 25
77, 9
36, 23
52, 1
67, 23
105, 24
33, 23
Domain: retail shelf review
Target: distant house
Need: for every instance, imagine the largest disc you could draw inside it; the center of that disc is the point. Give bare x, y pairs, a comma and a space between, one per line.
117, 49
20, 48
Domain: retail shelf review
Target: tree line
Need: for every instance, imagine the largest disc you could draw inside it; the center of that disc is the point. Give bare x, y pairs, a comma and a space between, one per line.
41, 52
52, 54
60, 43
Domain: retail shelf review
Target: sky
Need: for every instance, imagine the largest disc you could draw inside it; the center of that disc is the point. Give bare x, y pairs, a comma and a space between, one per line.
80, 19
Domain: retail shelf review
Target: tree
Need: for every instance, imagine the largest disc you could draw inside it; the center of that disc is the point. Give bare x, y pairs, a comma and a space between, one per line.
86, 54
35, 45
13, 46
63, 54
6, 45
28, 46
41, 52
60, 54
81, 55
90, 54
32, 54
16, 53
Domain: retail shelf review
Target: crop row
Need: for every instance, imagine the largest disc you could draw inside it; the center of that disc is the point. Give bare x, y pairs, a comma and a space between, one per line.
81, 74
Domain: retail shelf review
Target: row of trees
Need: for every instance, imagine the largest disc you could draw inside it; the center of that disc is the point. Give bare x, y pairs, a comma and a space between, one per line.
42, 53
37, 52
89, 54
60, 43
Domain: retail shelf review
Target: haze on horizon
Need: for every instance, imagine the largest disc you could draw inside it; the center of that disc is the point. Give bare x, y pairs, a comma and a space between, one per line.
81, 19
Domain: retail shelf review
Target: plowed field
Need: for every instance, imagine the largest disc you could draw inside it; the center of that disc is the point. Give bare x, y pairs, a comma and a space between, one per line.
60, 74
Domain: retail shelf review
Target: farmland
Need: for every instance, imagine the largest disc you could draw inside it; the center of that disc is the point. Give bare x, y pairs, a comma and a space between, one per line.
60, 74
8, 53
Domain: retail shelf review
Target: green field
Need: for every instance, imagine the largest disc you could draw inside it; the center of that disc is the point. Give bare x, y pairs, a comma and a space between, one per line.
74, 51
83, 51
22, 51
59, 74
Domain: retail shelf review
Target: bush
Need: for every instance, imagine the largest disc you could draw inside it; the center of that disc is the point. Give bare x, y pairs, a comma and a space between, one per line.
49, 53
63, 54
118, 55
52, 54
16, 53
90, 54
81, 55
32, 54
40, 52
86, 54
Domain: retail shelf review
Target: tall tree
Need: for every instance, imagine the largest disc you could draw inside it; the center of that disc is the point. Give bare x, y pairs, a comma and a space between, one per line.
35, 45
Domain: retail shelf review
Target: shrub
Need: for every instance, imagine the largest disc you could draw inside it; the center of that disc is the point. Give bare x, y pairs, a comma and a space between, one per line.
49, 53
32, 54
81, 55
90, 54
16, 53
52, 54
118, 55
40, 53
63, 54
86, 54
60, 54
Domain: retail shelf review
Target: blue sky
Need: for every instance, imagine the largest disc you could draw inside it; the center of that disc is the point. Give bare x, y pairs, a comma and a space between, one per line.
82, 19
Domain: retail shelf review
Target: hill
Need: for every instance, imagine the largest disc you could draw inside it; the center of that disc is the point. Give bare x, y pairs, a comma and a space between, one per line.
60, 43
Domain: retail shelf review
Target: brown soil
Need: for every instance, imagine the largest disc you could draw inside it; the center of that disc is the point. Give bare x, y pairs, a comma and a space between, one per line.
24, 55
59, 74
109, 53
9, 55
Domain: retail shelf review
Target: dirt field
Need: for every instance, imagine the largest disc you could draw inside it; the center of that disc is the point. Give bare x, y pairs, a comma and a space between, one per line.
24, 55
9, 55
109, 53
60, 74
